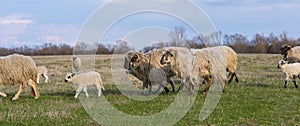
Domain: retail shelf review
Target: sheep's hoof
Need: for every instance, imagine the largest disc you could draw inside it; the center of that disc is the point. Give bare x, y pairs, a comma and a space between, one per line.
4, 95
285, 86
143, 93
296, 86
36, 97
237, 80
14, 98
228, 82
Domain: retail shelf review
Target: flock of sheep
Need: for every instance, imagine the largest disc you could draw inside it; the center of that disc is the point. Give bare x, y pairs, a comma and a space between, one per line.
153, 67
190, 65
22, 70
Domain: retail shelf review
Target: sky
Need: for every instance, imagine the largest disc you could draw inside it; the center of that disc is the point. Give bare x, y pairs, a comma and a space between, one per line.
32, 22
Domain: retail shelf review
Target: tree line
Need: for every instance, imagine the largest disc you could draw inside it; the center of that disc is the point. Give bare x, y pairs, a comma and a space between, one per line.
260, 43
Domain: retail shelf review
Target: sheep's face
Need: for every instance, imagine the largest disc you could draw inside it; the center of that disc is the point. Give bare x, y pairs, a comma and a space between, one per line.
281, 63
69, 77
135, 61
127, 58
284, 49
167, 57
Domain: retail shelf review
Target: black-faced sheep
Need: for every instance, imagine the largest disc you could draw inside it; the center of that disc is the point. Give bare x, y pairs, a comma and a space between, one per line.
289, 51
21, 70
180, 60
42, 71
81, 81
76, 63
146, 67
290, 71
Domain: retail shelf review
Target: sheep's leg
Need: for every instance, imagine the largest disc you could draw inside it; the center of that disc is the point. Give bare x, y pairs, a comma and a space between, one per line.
191, 89
230, 75
150, 89
21, 88
158, 89
34, 90
286, 81
3, 94
38, 79
181, 86
78, 90
209, 81
204, 81
99, 92
165, 88
294, 81
223, 86
171, 82
99, 87
236, 78
143, 88
45, 77
85, 91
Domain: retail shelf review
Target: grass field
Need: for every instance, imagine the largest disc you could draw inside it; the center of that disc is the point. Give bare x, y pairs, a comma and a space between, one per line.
259, 98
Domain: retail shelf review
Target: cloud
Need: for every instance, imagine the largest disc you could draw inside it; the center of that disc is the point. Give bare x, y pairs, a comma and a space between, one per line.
16, 19
20, 29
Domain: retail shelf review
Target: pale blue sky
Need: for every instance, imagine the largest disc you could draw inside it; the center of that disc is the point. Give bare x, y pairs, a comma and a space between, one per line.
32, 22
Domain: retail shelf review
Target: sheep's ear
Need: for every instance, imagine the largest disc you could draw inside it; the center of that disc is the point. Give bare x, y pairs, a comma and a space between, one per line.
288, 47
172, 53
135, 57
73, 74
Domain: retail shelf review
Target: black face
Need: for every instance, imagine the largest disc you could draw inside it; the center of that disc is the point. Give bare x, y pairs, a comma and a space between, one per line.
165, 58
283, 51
280, 64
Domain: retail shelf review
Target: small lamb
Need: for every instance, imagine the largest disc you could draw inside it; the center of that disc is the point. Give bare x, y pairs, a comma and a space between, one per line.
81, 81
290, 70
42, 71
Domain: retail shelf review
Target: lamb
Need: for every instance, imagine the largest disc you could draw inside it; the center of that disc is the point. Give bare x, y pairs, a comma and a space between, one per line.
42, 71
290, 71
76, 62
21, 70
81, 81
146, 67
287, 51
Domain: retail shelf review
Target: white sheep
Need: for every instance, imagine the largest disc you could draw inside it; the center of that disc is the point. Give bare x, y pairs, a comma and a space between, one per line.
42, 71
290, 71
76, 63
180, 60
81, 81
21, 70
231, 61
146, 67
289, 51
209, 62
193, 64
